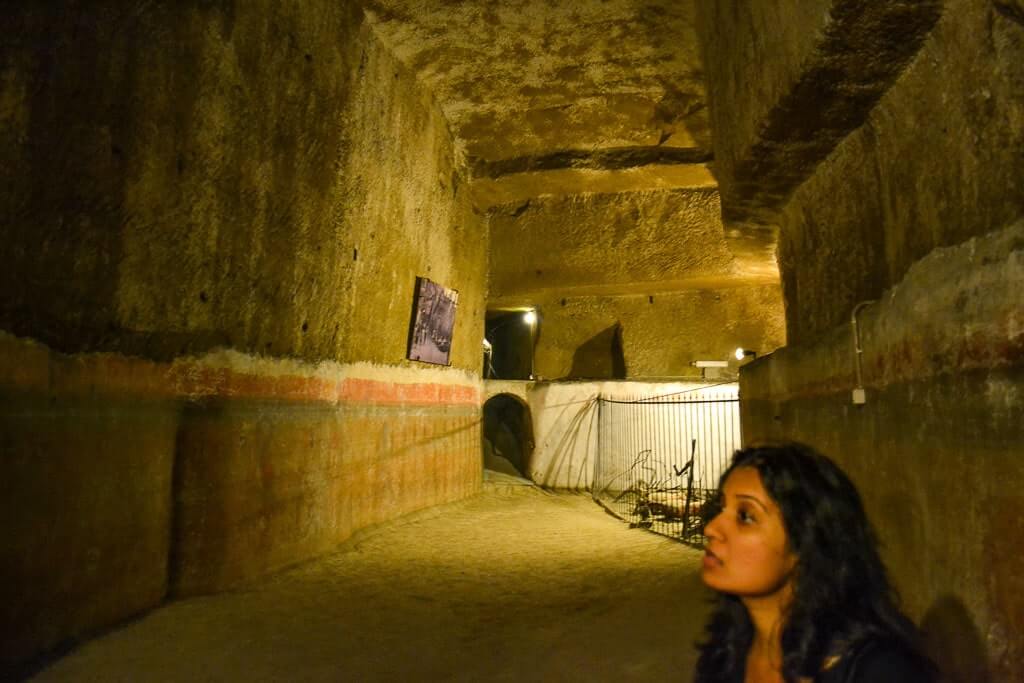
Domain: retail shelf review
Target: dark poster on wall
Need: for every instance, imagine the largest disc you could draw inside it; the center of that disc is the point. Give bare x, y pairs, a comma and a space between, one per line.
433, 319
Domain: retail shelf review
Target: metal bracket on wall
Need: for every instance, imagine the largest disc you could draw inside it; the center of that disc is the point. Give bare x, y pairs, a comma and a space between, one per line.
859, 395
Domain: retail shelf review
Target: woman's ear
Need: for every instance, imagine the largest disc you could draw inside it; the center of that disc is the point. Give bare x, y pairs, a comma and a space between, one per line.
792, 562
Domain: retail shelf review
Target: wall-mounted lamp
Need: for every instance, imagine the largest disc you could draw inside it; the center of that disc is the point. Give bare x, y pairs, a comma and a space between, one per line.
742, 353
530, 318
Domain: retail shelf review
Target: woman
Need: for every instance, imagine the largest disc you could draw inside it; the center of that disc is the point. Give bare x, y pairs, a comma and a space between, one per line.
803, 594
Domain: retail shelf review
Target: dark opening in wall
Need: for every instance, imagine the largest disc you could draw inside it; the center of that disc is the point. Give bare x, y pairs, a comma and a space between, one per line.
511, 335
507, 435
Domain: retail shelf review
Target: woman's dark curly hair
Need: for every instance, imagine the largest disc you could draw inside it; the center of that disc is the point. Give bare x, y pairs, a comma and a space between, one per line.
842, 593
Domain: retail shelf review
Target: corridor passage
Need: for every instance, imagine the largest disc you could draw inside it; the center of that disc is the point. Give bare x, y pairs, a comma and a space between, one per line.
515, 584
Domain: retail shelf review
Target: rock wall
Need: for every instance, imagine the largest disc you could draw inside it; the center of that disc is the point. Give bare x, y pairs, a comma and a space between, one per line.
909, 196
629, 284
659, 334
214, 218
936, 450
607, 240
936, 162
788, 81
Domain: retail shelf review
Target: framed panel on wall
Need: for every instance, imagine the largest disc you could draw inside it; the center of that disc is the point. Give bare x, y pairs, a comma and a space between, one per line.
433, 320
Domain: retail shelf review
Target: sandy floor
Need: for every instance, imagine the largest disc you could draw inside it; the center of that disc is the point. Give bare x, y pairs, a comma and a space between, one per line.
513, 585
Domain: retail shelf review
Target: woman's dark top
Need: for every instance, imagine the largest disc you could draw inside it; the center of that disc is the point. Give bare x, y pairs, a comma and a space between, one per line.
878, 661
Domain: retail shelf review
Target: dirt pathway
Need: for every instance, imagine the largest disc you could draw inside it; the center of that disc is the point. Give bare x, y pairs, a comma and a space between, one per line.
512, 585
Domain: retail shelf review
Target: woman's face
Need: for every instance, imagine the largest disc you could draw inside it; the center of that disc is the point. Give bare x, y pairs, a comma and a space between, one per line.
747, 553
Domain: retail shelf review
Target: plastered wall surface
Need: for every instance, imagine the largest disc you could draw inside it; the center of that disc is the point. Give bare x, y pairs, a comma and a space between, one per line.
565, 418
518, 388
212, 304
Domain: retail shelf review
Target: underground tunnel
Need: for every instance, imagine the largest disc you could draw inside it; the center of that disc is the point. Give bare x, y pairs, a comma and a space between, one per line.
253, 252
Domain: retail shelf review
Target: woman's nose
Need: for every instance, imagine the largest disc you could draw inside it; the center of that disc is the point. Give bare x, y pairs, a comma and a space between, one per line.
712, 528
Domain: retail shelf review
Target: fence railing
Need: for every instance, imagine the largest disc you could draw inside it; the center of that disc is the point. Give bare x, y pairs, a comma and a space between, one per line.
659, 458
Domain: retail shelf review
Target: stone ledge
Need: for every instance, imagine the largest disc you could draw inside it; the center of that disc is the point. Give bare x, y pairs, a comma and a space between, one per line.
613, 158
956, 310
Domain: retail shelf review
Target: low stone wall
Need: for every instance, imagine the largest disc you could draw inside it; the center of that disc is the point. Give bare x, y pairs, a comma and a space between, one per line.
125, 480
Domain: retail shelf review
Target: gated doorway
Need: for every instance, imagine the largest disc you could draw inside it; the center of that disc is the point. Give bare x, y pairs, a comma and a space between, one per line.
659, 457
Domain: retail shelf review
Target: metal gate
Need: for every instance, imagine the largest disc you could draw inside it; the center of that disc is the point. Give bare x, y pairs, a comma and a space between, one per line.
659, 458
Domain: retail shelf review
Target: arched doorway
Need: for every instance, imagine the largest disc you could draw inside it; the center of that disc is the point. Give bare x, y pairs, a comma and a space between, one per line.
507, 435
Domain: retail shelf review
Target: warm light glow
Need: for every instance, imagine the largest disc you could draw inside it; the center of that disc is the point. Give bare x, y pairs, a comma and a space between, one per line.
740, 353
530, 317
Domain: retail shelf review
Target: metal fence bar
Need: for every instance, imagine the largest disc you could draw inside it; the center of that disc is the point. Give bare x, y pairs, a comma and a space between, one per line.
659, 458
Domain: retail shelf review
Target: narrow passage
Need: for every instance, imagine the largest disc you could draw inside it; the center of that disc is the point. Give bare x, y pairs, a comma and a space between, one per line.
515, 584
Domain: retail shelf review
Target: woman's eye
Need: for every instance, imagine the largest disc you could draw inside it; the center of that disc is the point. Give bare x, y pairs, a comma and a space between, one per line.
745, 517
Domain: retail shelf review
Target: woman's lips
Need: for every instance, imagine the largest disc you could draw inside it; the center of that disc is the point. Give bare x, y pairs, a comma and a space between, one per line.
711, 560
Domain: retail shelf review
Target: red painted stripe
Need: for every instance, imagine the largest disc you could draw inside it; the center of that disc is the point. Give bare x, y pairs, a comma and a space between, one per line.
30, 367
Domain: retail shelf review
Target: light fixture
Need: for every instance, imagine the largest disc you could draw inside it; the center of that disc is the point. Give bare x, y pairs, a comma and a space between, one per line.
710, 363
530, 317
742, 353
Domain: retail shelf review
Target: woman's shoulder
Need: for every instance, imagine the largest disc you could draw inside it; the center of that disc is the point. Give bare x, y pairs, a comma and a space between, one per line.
880, 660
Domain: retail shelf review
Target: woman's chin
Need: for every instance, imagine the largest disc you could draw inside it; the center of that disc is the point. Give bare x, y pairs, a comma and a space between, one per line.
708, 575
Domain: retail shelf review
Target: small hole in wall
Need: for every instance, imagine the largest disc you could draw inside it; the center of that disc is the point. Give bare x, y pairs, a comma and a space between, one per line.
563, 302
355, 254
650, 299
203, 297
305, 325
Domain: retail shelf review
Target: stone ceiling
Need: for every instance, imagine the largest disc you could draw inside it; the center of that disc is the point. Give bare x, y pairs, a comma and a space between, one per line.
566, 97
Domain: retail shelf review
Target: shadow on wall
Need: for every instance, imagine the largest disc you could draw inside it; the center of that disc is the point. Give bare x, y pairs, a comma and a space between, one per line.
507, 434
600, 357
954, 642
569, 464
